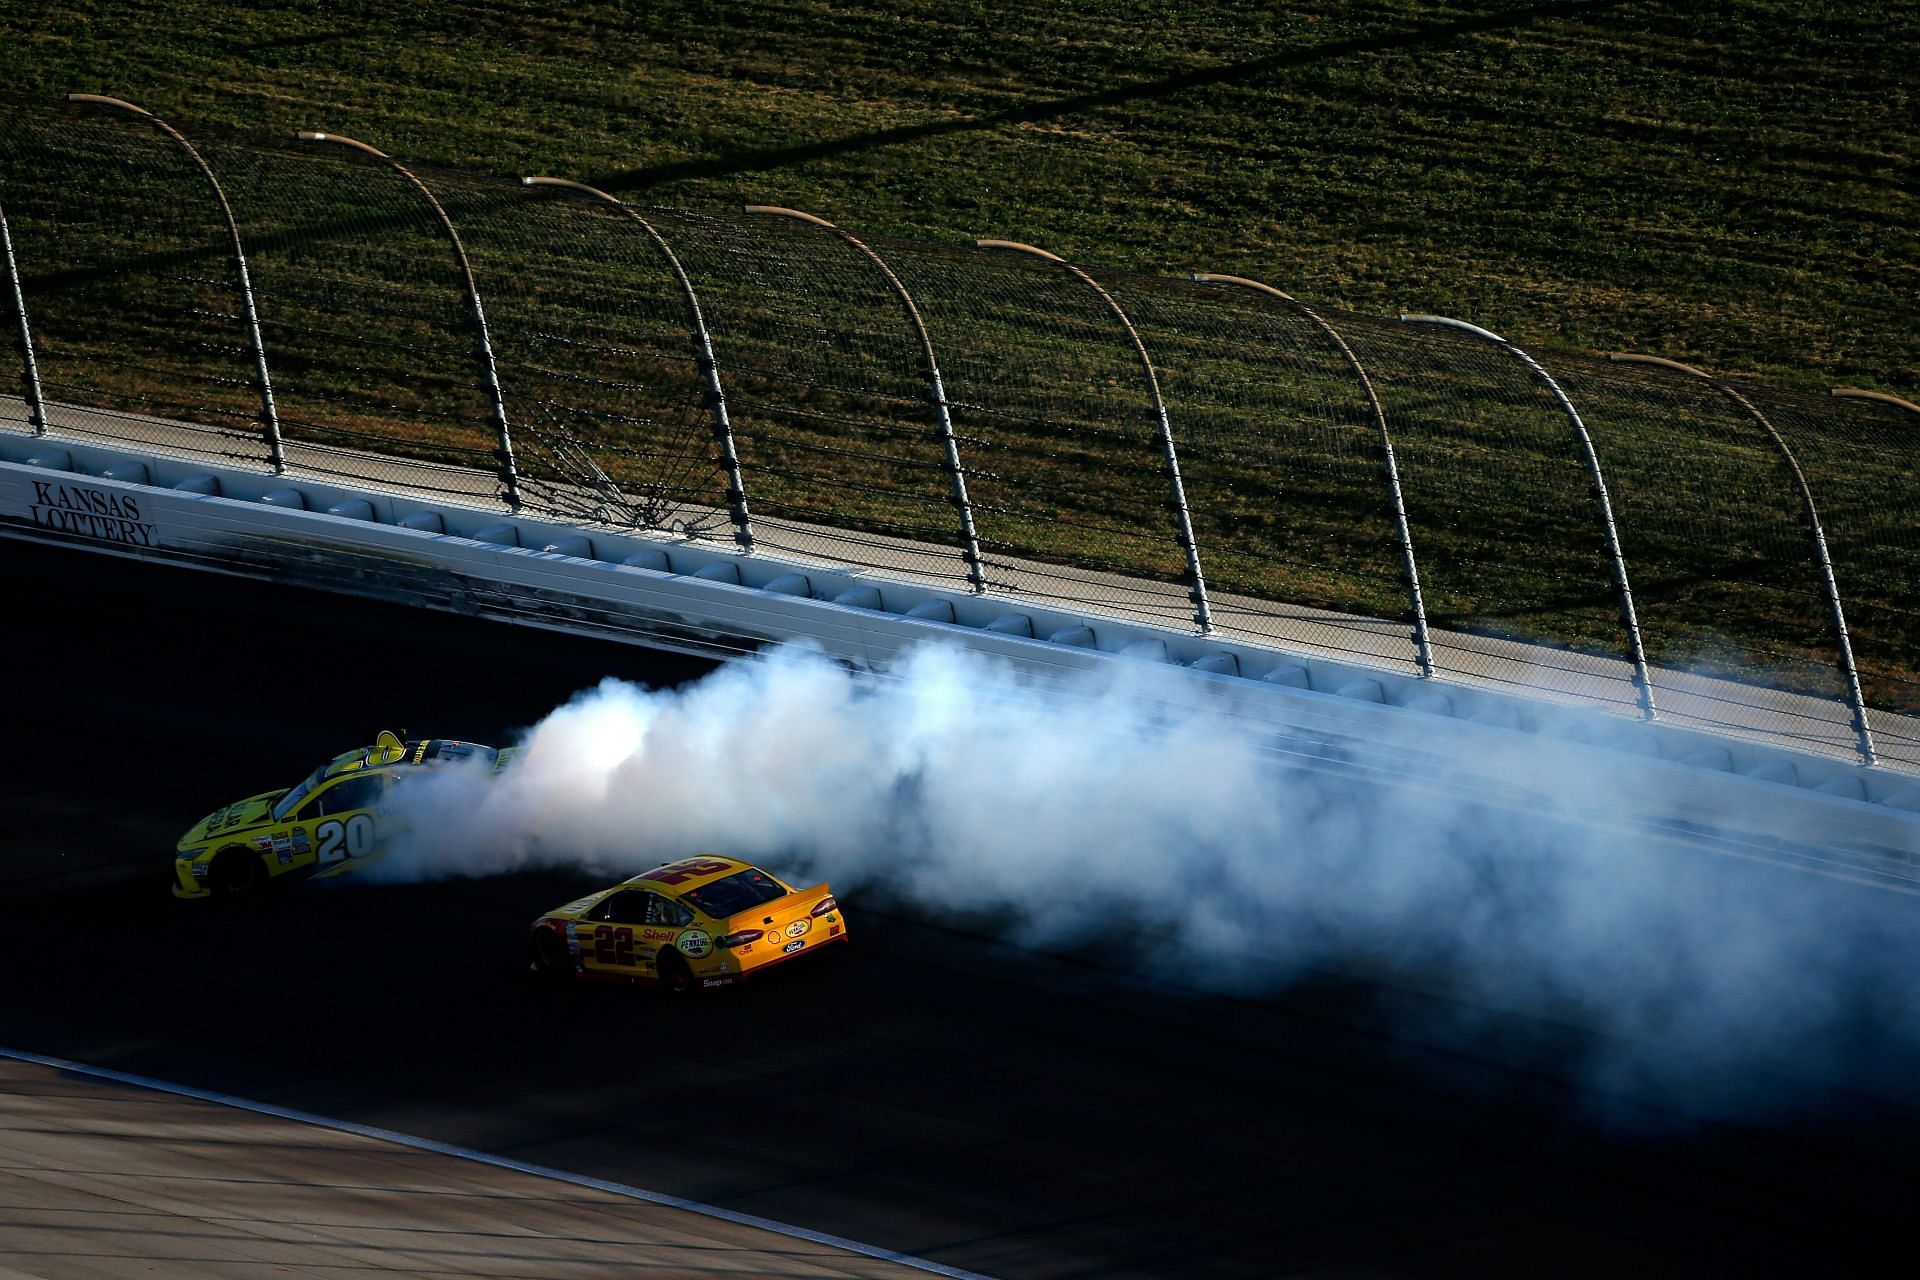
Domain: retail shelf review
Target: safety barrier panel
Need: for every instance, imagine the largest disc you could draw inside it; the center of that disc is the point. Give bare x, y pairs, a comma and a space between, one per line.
681, 595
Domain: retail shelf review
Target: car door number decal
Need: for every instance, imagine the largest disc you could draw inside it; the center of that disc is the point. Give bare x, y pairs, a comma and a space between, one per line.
612, 946
356, 834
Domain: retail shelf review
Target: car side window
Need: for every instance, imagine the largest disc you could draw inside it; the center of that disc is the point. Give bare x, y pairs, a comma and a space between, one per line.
358, 792
362, 791
667, 912
629, 906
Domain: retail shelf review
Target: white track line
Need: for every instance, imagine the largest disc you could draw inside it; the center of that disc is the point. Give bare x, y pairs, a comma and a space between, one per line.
498, 1162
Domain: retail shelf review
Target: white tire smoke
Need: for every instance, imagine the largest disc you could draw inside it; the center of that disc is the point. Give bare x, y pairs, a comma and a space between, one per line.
1125, 807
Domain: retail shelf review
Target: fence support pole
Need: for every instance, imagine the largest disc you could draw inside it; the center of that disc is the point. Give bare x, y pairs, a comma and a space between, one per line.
269, 413
1643, 687
29, 369
936, 388
483, 343
1880, 397
716, 396
1829, 587
1396, 502
1183, 517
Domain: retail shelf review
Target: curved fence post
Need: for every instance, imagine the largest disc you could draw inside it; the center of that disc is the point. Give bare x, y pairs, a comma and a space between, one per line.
1881, 397
1856, 702
483, 344
29, 369
1643, 687
269, 413
936, 389
716, 396
1403, 534
1196, 582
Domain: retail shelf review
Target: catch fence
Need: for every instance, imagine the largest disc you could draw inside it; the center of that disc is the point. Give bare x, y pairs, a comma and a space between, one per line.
1202, 453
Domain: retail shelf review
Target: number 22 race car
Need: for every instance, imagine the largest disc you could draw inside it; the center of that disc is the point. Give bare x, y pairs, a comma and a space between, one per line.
700, 922
338, 817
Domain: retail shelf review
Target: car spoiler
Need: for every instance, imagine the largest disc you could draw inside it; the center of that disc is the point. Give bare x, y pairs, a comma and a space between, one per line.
780, 911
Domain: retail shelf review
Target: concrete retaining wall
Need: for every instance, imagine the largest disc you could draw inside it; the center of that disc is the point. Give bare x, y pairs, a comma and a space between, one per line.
703, 599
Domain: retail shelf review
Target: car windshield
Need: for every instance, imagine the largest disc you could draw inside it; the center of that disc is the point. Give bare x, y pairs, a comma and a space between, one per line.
742, 891
291, 801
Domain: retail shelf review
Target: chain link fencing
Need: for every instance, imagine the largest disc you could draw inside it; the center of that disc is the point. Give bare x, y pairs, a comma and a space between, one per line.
1409, 494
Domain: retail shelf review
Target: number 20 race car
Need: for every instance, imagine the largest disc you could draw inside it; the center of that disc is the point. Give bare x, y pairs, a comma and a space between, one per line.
700, 922
338, 817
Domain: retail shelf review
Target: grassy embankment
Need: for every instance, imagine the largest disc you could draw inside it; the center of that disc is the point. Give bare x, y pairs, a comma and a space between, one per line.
1726, 189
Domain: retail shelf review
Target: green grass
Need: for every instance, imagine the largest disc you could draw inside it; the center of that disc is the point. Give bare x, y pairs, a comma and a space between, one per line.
1732, 190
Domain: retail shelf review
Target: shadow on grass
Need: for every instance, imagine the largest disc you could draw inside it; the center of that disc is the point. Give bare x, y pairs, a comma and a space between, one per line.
1229, 73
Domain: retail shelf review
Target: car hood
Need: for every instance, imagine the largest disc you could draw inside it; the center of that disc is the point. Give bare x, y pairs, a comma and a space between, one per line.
232, 820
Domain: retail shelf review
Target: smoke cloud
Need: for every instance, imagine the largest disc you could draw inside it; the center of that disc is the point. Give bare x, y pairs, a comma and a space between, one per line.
1128, 806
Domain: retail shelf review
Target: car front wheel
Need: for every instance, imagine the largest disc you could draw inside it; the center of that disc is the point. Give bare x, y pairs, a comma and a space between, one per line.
235, 870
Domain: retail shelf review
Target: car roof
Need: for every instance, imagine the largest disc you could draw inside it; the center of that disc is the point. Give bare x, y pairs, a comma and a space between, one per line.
682, 881
390, 750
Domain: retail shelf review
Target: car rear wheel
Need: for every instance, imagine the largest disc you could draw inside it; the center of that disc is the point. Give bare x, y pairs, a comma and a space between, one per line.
674, 974
551, 960
235, 870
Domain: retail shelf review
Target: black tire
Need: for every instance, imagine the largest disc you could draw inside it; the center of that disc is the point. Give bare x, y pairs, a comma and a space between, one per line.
552, 962
236, 871
674, 974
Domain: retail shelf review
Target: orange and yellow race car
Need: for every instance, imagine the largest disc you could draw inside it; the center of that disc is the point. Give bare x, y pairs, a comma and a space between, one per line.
705, 921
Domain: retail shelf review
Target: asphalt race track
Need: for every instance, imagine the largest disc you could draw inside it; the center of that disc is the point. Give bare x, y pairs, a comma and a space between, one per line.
930, 1090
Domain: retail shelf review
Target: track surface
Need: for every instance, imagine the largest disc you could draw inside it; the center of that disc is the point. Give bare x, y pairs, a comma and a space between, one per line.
930, 1091
101, 1179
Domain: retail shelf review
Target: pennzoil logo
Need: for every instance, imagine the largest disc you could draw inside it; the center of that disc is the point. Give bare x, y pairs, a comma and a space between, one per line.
799, 927
695, 943
100, 514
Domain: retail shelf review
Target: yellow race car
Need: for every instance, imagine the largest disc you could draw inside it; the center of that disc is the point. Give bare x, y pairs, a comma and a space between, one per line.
701, 922
338, 817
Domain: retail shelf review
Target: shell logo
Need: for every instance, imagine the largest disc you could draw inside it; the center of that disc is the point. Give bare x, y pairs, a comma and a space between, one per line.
773, 937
